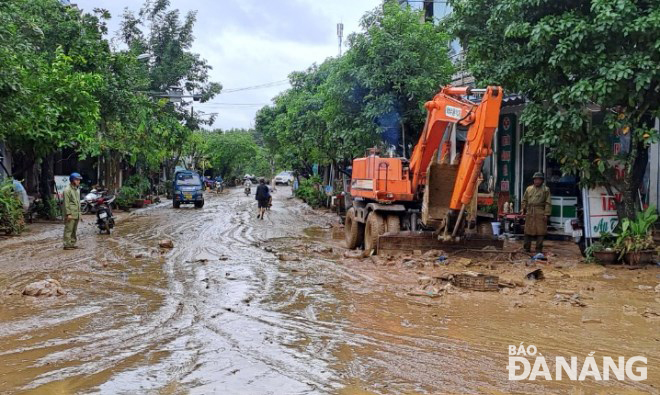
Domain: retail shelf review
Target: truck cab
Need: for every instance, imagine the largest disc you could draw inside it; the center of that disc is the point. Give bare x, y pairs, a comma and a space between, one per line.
187, 189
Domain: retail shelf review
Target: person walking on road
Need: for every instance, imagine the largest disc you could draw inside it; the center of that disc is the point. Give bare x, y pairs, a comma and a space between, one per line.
263, 198
72, 212
536, 206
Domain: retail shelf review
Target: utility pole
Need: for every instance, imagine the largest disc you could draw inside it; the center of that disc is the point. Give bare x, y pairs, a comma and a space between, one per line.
340, 35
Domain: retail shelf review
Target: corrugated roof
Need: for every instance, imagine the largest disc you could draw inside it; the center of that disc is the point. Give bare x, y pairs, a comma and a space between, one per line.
513, 100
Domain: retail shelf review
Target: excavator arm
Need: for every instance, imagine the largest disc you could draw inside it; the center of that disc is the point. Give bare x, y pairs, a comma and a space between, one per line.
450, 106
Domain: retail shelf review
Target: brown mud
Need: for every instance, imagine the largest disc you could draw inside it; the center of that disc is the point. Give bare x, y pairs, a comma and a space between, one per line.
241, 306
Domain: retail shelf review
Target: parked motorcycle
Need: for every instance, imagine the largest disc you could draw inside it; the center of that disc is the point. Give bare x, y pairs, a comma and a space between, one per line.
104, 218
577, 226
90, 203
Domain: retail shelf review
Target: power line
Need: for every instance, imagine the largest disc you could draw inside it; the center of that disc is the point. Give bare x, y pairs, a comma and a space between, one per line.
260, 86
233, 104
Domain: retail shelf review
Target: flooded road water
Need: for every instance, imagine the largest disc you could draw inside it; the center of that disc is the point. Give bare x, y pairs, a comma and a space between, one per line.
242, 306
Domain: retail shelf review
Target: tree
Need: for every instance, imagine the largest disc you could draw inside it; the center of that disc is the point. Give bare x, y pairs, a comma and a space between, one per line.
161, 33
234, 153
589, 70
374, 94
50, 85
380, 85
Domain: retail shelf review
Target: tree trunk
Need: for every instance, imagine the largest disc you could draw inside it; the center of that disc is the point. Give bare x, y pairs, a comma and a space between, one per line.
47, 178
636, 164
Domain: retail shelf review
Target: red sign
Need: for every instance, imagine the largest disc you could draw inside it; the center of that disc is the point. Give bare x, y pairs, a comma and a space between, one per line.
506, 123
506, 156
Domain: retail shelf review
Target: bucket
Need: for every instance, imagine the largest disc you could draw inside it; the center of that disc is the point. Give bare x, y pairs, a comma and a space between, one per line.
496, 228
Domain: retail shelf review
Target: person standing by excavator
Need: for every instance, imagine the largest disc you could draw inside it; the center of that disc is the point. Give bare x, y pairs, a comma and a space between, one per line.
536, 206
72, 211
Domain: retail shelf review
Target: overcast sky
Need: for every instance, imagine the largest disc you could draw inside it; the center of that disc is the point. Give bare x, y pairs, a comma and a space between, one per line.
254, 42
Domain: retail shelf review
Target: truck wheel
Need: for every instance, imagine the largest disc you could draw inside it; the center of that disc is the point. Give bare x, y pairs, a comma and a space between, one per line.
199, 204
375, 227
353, 230
393, 223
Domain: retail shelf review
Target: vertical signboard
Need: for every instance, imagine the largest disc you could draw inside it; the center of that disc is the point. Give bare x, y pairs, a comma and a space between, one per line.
506, 135
60, 183
600, 214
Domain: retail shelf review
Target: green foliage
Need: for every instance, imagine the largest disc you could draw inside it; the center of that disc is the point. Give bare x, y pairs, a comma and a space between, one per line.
63, 86
234, 153
48, 91
139, 183
570, 59
11, 209
156, 130
49, 208
310, 192
635, 235
605, 241
126, 197
369, 96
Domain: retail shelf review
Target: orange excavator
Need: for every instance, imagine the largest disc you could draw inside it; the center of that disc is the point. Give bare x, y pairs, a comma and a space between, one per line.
426, 203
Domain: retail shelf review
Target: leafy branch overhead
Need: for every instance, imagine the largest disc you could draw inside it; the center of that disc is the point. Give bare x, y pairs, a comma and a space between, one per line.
589, 69
63, 86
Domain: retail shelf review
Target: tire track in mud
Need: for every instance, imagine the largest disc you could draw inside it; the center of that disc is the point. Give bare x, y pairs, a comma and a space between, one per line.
151, 307
219, 314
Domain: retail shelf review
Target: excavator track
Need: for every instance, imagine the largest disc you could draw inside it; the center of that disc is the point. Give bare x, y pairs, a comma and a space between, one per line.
407, 242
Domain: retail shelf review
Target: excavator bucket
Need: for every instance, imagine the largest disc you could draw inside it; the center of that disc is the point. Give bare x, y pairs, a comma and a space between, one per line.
440, 180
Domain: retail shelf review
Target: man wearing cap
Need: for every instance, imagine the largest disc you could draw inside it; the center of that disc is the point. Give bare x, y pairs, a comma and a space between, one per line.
536, 206
71, 211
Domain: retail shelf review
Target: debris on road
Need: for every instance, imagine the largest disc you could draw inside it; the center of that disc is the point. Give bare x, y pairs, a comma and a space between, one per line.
166, 243
535, 275
476, 281
288, 257
432, 254
648, 313
49, 287
568, 297
357, 254
431, 287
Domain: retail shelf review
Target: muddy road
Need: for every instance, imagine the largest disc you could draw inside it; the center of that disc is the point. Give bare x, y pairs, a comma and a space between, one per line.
242, 306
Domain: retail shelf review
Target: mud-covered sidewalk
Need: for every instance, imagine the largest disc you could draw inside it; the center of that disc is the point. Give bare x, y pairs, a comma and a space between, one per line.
243, 306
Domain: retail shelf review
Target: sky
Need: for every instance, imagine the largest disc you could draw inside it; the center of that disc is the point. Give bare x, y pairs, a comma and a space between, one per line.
255, 42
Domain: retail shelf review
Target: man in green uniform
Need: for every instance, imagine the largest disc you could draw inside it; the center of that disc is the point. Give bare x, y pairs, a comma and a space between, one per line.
71, 211
536, 206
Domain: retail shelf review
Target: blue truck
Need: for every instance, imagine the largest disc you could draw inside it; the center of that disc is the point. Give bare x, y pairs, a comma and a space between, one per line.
188, 188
